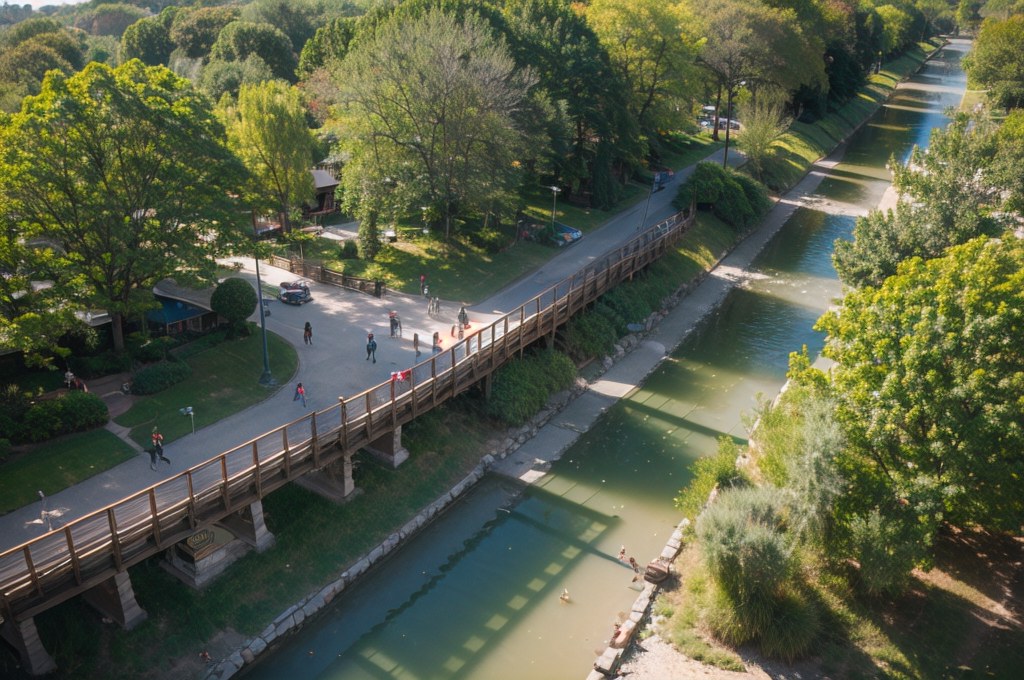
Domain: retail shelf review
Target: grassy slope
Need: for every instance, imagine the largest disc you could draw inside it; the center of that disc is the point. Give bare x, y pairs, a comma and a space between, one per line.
58, 464
805, 143
224, 381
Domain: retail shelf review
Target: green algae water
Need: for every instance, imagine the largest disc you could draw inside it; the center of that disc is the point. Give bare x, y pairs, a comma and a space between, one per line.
477, 594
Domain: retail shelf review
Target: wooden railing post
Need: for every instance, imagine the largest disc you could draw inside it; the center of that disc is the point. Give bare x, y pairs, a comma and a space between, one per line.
433, 381
453, 371
32, 571
259, 475
191, 501
287, 453
343, 432
224, 479
314, 440
74, 555
115, 542
156, 518
369, 417
412, 392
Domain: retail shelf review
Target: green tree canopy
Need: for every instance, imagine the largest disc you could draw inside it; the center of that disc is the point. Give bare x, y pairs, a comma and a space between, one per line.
226, 77
997, 61
109, 19
129, 171
147, 40
435, 106
294, 18
195, 31
329, 45
29, 62
239, 39
946, 196
268, 131
30, 28
930, 382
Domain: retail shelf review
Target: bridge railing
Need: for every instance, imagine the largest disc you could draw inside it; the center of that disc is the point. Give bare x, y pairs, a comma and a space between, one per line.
47, 570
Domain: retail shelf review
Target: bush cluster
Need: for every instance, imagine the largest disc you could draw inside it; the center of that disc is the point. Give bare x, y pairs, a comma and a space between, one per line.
733, 197
73, 412
522, 386
710, 471
160, 376
106, 363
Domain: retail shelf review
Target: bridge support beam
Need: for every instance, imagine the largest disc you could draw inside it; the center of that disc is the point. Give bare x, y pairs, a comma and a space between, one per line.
116, 599
486, 383
23, 636
334, 482
248, 526
388, 448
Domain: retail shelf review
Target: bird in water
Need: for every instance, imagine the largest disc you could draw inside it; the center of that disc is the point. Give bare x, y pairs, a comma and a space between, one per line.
564, 597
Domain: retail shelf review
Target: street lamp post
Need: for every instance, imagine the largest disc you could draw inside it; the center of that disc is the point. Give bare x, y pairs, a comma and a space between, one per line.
187, 411
728, 123
554, 202
267, 380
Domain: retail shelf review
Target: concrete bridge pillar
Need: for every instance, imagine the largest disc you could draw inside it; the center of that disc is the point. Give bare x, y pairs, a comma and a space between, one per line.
334, 482
388, 447
248, 526
23, 636
115, 599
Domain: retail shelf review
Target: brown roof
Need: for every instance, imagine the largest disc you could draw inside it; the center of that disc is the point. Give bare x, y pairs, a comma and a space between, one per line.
324, 180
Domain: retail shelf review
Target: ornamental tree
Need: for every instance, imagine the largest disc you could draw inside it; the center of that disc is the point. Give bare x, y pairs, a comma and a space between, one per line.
235, 300
128, 171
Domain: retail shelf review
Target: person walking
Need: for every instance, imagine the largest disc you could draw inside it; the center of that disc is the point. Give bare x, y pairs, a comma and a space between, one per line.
307, 334
157, 453
393, 323
423, 284
463, 318
300, 394
371, 348
416, 343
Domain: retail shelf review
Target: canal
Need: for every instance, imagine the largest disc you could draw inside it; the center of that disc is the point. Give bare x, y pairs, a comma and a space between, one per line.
476, 595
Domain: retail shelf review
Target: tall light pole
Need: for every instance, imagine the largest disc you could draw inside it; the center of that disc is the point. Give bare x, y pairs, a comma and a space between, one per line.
554, 202
728, 122
647, 205
267, 380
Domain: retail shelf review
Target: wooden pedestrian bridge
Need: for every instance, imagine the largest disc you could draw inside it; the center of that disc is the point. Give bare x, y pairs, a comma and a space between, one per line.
91, 555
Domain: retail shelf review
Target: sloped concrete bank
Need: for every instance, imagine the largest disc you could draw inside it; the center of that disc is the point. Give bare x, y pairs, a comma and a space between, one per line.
527, 452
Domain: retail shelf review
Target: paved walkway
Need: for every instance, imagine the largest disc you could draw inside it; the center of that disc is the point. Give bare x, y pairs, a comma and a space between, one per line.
333, 365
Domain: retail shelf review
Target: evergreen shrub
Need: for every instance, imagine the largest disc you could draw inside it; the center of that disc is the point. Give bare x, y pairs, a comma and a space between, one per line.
522, 386
160, 376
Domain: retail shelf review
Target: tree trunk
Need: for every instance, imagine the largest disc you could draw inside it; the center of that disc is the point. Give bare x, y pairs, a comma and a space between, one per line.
117, 332
718, 105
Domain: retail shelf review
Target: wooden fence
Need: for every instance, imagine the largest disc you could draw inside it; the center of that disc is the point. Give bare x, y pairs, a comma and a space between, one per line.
69, 560
322, 274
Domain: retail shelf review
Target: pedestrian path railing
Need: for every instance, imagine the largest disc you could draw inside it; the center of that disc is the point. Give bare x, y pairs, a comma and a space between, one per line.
322, 274
71, 559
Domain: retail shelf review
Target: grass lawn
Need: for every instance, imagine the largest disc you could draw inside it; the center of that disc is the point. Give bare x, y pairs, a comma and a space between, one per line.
58, 464
224, 380
697, 149
316, 541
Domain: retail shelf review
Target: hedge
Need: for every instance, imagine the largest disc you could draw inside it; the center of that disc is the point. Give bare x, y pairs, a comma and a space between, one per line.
100, 365
160, 376
522, 386
73, 412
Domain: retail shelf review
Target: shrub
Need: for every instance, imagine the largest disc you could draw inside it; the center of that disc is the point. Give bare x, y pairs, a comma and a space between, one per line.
160, 376
589, 335
887, 551
106, 363
74, 412
148, 350
709, 471
235, 300
5, 450
734, 198
14, 404
522, 386
794, 627
489, 239
349, 251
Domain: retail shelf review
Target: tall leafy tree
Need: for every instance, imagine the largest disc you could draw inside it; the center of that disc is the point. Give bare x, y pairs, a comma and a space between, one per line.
652, 46
128, 171
240, 39
267, 129
195, 31
330, 44
997, 61
147, 40
436, 106
946, 197
930, 378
